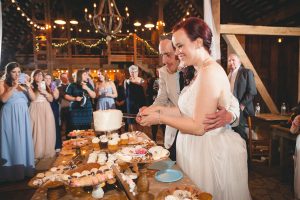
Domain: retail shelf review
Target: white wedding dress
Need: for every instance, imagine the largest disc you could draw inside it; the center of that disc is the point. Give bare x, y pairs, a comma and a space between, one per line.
217, 161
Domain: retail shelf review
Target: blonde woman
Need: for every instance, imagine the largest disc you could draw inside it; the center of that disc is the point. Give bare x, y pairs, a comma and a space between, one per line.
106, 92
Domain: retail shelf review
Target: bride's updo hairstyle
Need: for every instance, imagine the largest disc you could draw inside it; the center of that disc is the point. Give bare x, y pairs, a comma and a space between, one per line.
194, 28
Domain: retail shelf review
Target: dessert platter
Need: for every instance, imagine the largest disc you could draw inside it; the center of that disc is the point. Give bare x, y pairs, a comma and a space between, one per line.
183, 192
52, 178
82, 133
75, 143
142, 154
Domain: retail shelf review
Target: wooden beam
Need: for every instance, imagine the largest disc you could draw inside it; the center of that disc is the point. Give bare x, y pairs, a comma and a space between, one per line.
299, 73
232, 41
283, 12
216, 14
258, 30
134, 48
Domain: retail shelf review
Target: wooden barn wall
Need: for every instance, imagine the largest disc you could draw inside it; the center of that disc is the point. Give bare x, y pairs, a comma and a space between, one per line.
277, 65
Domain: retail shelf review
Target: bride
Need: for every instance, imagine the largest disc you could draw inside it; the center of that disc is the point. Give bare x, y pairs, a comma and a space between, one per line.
216, 161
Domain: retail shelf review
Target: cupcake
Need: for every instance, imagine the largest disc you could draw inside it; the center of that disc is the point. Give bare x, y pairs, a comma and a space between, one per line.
95, 142
103, 142
124, 139
113, 145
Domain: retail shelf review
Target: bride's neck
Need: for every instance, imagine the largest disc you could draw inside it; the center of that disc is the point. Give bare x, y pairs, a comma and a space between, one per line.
203, 60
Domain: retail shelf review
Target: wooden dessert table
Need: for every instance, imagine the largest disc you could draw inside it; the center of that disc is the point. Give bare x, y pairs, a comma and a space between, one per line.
66, 193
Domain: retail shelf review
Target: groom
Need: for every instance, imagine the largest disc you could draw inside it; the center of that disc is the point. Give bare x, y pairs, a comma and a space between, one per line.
170, 81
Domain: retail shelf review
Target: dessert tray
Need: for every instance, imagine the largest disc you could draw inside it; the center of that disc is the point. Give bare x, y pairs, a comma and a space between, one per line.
81, 133
142, 154
91, 174
75, 143
183, 192
52, 178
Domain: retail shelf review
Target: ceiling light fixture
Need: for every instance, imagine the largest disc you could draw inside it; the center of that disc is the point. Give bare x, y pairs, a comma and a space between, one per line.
59, 22
137, 23
74, 22
149, 25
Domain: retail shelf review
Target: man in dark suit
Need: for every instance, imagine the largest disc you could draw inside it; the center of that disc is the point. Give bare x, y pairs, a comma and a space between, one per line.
243, 87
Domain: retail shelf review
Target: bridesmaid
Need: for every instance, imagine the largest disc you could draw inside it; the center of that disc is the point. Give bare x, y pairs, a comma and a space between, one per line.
17, 154
42, 118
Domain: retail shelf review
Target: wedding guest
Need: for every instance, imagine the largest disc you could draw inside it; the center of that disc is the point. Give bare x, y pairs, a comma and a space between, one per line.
43, 122
55, 108
64, 104
106, 92
17, 154
79, 94
135, 96
295, 129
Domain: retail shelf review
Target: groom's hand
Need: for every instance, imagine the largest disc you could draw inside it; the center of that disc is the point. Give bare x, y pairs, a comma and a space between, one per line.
217, 119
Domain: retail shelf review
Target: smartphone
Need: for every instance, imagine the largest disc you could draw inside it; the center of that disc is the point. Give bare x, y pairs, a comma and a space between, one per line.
22, 78
53, 85
43, 85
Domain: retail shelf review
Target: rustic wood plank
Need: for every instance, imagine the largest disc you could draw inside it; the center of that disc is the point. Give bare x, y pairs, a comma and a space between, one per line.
258, 30
281, 13
232, 41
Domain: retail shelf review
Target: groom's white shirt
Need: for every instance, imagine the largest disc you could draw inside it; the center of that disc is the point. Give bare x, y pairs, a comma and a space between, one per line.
168, 95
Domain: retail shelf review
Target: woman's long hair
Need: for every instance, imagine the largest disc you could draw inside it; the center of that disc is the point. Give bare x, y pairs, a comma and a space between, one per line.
7, 74
79, 76
34, 84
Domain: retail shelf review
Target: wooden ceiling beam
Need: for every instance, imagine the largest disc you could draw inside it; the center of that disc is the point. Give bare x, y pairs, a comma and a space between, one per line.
258, 30
283, 12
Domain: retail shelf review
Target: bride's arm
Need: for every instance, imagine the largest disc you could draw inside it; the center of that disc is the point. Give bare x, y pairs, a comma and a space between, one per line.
207, 95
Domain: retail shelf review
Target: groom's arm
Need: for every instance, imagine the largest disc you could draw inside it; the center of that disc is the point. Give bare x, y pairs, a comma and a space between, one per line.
223, 117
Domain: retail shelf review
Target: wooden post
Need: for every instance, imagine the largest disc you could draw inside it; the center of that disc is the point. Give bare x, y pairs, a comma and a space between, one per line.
299, 73
216, 16
49, 38
108, 52
232, 41
134, 49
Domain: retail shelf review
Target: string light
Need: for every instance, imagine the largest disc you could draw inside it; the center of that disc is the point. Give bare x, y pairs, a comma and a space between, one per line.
23, 14
79, 42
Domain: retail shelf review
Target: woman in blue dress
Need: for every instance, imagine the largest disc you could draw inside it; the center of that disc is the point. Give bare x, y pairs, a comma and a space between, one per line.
79, 94
106, 92
17, 154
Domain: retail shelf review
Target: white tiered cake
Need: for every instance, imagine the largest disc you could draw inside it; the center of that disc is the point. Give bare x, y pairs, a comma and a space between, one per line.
107, 120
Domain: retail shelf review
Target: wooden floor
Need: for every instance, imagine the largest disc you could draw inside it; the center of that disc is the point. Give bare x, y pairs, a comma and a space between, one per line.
264, 183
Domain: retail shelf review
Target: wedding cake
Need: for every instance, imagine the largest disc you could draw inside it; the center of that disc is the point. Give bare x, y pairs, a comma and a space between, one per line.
107, 120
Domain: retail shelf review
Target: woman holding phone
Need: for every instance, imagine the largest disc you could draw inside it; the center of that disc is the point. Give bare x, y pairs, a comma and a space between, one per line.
43, 123
79, 94
17, 154
55, 108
